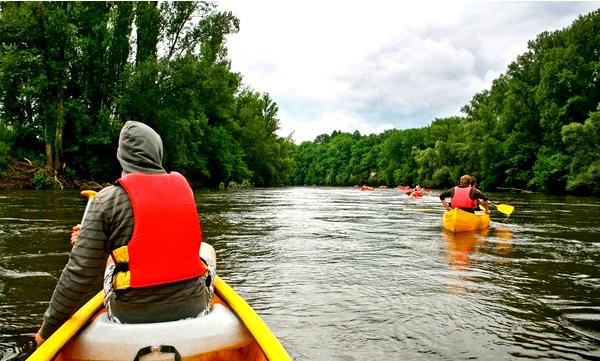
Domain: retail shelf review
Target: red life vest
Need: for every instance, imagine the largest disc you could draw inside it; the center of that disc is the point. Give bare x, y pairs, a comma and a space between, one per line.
462, 198
165, 244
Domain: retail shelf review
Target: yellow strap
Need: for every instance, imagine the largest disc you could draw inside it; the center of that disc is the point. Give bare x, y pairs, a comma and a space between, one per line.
121, 280
121, 255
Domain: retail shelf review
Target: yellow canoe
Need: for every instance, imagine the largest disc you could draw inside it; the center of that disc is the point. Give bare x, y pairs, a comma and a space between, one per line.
231, 331
457, 220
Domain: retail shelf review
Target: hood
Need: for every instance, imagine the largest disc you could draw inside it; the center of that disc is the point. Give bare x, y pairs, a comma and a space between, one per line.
140, 149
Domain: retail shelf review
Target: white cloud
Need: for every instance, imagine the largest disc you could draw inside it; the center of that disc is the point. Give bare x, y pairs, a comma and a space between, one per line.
372, 66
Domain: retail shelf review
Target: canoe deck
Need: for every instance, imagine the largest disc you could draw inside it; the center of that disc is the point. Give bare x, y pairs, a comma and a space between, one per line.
214, 337
231, 331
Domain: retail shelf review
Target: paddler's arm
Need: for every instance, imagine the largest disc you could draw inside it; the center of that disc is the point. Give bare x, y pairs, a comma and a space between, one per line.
443, 195
85, 265
38, 339
75, 233
446, 205
486, 206
483, 200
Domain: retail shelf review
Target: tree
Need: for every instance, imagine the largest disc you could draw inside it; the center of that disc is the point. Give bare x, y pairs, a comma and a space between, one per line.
583, 143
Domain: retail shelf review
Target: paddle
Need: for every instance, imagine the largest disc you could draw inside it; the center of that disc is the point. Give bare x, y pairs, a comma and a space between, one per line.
504, 208
90, 196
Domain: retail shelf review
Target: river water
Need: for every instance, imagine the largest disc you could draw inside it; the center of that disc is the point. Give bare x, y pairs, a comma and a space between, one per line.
343, 274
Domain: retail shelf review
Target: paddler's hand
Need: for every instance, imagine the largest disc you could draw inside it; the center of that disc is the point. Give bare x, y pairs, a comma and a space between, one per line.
38, 339
75, 234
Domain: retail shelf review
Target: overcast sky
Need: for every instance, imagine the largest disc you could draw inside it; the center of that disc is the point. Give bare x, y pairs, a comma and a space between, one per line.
377, 65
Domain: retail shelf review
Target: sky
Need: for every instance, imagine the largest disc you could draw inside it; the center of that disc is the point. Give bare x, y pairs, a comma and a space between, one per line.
377, 65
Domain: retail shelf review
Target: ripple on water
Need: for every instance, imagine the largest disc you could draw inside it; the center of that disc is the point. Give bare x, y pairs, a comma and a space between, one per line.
340, 274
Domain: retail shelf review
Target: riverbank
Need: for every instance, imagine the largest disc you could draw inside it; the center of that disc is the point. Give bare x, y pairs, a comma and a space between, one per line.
24, 174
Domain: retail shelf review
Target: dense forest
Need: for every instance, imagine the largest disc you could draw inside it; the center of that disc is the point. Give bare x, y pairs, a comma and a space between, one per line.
537, 128
71, 73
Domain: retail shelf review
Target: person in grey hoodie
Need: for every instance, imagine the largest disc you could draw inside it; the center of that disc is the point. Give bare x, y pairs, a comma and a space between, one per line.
107, 226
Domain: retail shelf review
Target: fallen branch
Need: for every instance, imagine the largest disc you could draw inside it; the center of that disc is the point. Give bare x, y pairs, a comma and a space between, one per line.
23, 167
57, 181
514, 189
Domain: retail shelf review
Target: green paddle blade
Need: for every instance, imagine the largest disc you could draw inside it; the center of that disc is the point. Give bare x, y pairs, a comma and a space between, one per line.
505, 208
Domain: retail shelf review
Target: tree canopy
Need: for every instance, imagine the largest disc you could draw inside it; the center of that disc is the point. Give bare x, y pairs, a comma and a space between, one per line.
536, 128
71, 73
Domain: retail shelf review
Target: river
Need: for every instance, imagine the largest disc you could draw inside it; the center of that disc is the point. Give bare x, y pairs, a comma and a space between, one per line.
343, 274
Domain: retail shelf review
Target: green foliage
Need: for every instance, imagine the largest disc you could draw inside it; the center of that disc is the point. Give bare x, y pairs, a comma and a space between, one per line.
42, 181
550, 171
269, 158
537, 127
583, 144
4, 154
70, 78
233, 185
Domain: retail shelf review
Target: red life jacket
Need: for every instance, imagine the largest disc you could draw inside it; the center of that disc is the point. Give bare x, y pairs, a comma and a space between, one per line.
462, 198
165, 244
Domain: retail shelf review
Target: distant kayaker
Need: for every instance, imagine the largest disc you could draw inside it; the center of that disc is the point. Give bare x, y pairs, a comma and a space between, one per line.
156, 275
418, 191
465, 197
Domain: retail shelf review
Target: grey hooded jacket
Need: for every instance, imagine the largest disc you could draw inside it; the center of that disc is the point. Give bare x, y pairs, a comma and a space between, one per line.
109, 225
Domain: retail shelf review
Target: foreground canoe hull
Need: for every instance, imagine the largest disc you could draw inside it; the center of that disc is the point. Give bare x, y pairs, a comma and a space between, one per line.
457, 220
232, 331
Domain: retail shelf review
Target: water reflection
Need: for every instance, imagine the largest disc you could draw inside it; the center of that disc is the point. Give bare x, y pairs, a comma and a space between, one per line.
461, 246
504, 244
340, 274
464, 251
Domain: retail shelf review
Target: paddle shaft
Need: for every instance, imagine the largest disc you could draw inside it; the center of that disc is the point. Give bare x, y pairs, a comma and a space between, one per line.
90, 196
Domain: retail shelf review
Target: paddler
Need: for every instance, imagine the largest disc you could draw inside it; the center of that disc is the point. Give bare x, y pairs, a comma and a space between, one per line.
465, 197
154, 273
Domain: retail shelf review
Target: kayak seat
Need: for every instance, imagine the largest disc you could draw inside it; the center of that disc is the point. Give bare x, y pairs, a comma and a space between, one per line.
105, 340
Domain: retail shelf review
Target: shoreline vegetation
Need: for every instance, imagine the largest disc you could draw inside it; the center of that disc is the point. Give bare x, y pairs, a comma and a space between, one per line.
71, 76
23, 174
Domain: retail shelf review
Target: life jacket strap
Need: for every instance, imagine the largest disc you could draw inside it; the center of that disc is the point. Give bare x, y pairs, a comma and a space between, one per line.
121, 277
121, 255
121, 280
